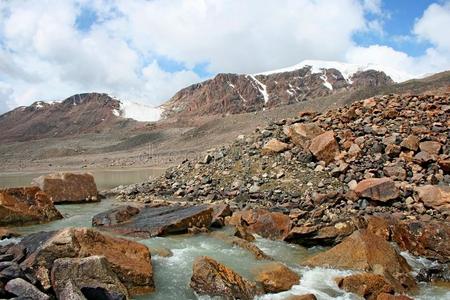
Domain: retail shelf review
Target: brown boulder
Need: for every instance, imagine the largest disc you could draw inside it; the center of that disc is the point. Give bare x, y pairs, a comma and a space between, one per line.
152, 221
428, 239
241, 232
410, 143
385, 296
324, 147
276, 277
129, 260
25, 206
220, 212
326, 236
273, 225
366, 285
430, 147
367, 252
301, 134
75, 277
258, 253
395, 172
68, 187
6, 233
433, 196
378, 189
274, 146
212, 278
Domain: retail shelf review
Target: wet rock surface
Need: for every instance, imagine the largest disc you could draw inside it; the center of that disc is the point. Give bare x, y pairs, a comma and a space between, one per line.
19, 206
68, 187
148, 221
276, 277
367, 252
212, 278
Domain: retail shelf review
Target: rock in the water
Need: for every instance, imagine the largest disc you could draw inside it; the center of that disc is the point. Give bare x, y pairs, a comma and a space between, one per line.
258, 253
368, 252
6, 233
25, 290
324, 147
68, 187
25, 206
242, 232
386, 296
325, 236
378, 189
366, 285
437, 197
87, 276
129, 260
155, 221
428, 239
276, 277
220, 212
273, 225
274, 146
212, 278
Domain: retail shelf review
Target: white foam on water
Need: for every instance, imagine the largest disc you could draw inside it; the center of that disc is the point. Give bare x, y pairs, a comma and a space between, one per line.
9, 241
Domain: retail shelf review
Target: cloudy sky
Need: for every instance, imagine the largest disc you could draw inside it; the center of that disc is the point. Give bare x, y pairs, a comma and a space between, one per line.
145, 51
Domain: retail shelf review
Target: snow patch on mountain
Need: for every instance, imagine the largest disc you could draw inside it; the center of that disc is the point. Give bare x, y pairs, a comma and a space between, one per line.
347, 70
262, 88
139, 112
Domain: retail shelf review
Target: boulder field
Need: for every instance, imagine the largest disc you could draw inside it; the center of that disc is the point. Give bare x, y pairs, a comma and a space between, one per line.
359, 179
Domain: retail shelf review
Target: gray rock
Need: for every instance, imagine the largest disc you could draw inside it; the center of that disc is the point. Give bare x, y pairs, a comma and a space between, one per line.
24, 289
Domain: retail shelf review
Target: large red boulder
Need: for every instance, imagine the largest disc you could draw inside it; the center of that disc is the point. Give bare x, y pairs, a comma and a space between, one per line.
212, 278
129, 260
273, 225
26, 205
368, 252
377, 189
68, 187
324, 147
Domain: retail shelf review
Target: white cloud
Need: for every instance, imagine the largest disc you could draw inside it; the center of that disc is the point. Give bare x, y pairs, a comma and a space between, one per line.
44, 56
432, 27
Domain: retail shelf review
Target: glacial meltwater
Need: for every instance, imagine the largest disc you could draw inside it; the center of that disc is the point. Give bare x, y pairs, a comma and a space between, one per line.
172, 274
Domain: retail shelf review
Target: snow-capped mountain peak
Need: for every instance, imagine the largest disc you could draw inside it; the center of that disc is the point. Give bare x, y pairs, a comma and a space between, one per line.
346, 69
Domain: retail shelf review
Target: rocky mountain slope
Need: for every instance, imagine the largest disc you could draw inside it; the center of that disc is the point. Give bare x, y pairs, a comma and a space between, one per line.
82, 113
382, 155
237, 93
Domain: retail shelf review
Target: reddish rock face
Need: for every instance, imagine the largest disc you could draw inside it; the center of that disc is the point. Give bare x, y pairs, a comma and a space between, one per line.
276, 277
367, 252
212, 278
428, 239
233, 93
437, 197
82, 113
385, 296
324, 147
129, 260
220, 212
366, 285
68, 187
268, 224
410, 143
378, 189
274, 146
25, 206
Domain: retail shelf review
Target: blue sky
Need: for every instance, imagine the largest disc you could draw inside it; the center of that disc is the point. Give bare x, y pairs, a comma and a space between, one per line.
145, 51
